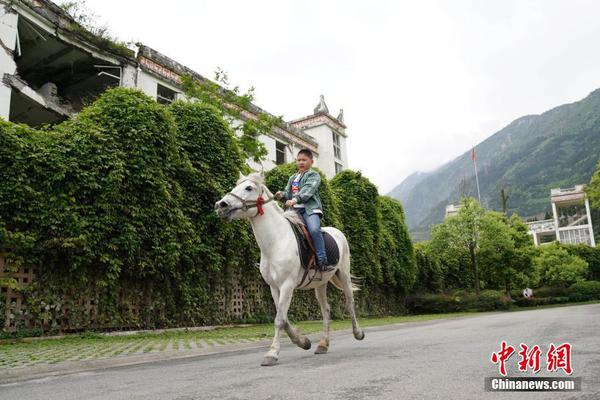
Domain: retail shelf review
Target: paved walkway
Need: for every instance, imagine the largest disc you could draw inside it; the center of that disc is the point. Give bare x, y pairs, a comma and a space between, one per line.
37, 360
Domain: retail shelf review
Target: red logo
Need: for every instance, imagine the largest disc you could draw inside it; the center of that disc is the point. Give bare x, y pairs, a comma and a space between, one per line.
529, 359
502, 356
558, 357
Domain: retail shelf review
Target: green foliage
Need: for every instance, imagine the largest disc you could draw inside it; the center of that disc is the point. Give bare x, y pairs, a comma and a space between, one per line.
496, 248
589, 254
389, 267
430, 276
361, 219
587, 288
87, 27
461, 235
116, 205
593, 189
234, 107
555, 266
577, 292
507, 252
396, 252
425, 303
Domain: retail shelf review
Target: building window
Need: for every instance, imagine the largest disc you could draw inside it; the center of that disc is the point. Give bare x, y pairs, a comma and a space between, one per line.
337, 150
338, 167
279, 153
164, 95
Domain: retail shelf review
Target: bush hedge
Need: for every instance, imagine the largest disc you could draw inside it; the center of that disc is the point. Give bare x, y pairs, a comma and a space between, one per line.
115, 209
426, 303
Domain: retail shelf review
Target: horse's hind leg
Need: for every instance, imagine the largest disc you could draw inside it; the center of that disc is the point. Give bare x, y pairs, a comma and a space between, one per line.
345, 278
321, 293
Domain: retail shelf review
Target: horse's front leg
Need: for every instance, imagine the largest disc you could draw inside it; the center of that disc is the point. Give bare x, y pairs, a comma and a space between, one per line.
281, 322
273, 353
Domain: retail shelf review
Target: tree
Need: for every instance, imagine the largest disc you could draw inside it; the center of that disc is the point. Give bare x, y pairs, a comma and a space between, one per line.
593, 189
506, 252
429, 269
462, 233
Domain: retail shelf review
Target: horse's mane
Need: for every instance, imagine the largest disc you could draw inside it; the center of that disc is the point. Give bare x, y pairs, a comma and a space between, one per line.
259, 180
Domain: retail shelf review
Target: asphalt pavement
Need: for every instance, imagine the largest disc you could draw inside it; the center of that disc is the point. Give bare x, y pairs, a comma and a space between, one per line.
441, 359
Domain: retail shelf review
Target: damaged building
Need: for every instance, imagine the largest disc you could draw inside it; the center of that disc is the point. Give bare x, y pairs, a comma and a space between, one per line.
51, 67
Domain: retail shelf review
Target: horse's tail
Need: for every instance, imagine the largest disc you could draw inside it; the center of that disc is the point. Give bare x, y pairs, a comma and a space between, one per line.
354, 282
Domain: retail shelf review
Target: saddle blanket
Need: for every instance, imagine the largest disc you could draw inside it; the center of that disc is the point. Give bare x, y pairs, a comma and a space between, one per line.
331, 247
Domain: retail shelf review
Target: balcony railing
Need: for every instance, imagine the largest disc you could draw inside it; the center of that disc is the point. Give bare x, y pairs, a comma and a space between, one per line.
546, 225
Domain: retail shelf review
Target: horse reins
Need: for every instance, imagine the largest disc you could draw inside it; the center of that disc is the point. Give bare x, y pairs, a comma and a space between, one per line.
248, 204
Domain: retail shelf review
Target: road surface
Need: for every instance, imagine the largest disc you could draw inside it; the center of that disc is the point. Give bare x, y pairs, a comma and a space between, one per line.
443, 359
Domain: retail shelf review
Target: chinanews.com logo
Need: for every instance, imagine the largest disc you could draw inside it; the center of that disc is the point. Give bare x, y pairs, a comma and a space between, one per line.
531, 359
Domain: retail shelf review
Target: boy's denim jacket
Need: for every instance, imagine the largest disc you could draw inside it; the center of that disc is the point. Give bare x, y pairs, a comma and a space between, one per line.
308, 194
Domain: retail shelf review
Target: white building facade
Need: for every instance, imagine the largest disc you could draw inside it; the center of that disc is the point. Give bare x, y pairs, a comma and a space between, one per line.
50, 70
571, 222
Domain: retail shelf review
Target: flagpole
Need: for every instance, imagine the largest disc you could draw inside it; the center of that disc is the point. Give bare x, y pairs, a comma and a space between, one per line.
476, 177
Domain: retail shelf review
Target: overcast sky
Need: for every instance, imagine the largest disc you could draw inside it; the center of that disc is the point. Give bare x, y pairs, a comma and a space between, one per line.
420, 81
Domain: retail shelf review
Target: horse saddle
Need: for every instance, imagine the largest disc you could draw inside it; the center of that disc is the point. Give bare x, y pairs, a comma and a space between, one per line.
306, 249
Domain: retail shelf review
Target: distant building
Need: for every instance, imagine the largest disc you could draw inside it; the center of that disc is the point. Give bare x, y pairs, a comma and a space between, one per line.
50, 68
571, 222
451, 210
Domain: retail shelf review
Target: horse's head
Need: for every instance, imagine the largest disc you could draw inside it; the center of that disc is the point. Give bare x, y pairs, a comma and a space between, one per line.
245, 200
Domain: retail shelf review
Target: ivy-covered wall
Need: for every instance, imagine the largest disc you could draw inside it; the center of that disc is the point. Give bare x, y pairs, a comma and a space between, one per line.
115, 209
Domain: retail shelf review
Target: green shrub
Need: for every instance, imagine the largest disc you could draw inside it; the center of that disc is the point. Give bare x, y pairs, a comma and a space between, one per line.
361, 219
492, 300
555, 266
589, 254
550, 291
532, 301
396, 252
429, 270
426, 303
588, 288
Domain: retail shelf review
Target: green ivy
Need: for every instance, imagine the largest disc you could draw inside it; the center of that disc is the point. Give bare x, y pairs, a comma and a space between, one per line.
114, 207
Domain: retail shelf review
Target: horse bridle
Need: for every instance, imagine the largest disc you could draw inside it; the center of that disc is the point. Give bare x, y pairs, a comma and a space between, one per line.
248, 204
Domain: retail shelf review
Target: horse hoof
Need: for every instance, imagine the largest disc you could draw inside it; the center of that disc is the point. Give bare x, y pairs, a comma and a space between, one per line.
306, 345
321, 350
269, 361
359, 336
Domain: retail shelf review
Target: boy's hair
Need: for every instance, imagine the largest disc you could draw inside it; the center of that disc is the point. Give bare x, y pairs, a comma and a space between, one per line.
306, 152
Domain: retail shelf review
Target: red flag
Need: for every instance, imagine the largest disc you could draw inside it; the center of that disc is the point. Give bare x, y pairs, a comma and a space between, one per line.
473, 154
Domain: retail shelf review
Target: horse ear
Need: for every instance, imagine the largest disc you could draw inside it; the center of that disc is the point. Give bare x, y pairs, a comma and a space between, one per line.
242, 175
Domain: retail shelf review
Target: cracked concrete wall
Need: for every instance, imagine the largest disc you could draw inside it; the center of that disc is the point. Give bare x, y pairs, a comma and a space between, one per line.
8, 41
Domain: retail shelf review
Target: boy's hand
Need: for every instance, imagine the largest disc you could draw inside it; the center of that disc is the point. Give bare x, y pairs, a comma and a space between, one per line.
290, 203
279, 195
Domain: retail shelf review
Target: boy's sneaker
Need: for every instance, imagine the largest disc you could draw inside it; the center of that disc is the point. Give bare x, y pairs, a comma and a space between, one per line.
324, 266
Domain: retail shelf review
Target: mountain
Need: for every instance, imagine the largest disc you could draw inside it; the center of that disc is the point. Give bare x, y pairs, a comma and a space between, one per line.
559, 148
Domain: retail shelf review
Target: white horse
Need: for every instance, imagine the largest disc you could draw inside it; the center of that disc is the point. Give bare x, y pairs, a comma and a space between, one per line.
280, 262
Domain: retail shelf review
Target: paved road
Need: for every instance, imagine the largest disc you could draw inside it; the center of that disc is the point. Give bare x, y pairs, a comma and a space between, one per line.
446, 359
